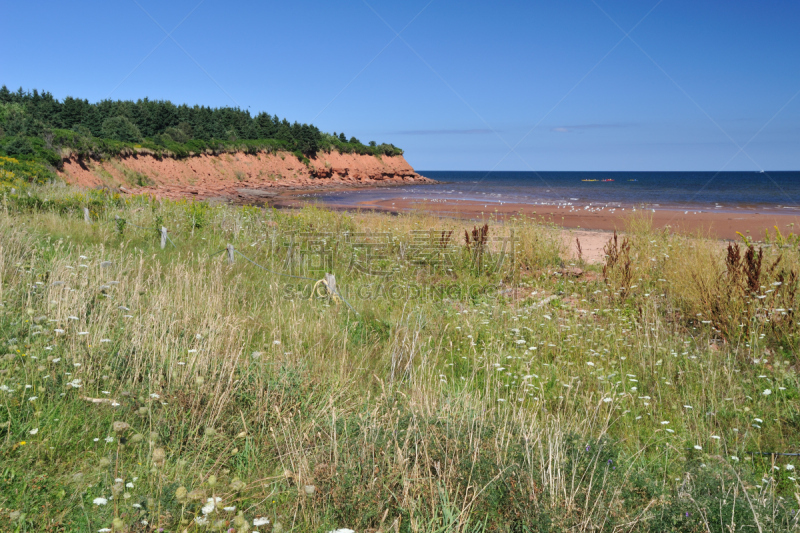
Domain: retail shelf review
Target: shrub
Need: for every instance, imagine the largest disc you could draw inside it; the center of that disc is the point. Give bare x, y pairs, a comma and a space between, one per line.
121, 129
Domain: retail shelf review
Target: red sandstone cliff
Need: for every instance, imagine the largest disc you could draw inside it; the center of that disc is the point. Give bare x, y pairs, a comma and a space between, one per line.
238, 174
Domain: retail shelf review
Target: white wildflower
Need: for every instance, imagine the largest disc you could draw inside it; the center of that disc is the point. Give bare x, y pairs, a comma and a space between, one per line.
34, 431
100, 501
261, 521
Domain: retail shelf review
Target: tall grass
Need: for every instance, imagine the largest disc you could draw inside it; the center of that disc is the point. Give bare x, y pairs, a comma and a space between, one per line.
139, 385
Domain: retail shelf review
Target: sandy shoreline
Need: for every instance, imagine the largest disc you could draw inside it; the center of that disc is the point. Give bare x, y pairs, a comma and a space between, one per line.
719, 225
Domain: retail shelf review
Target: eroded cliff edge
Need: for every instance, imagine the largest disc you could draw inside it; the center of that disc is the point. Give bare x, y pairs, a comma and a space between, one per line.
239, 175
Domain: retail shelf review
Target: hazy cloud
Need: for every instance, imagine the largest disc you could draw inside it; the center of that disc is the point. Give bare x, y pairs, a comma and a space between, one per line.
446, 132
584, 127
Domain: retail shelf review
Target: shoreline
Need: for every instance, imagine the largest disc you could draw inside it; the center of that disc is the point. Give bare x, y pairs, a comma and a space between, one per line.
724, 225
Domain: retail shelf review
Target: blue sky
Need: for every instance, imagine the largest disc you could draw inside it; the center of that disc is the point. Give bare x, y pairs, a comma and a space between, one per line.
466, 85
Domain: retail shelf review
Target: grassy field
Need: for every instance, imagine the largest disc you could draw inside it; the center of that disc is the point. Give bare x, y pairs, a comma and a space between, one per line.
452, 383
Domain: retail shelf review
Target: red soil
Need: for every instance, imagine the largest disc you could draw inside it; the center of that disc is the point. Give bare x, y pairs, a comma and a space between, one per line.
239, 175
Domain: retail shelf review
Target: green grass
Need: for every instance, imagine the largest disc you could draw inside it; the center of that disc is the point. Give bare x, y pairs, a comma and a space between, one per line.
466, 394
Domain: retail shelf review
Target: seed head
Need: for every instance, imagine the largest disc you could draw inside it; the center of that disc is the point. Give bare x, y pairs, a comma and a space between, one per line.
159, 456
120, 427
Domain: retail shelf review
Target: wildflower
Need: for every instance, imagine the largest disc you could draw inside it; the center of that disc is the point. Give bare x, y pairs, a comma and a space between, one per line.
229, 509
734, 458
276, 342
211, 503
32, 398
789, 467
100, 501
261, 521
698, 447
664, 422
34, 431
607, 399
109, 439
766, 392
201, 520
119, 426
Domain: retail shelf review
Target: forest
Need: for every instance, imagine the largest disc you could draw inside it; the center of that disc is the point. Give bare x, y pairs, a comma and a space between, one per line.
38, 129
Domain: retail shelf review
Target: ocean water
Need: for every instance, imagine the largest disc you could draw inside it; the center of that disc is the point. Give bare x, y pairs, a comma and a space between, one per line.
704, 191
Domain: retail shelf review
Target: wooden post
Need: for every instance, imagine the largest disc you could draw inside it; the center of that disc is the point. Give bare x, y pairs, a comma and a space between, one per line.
330, 281
163, 237
86, 217
230, 254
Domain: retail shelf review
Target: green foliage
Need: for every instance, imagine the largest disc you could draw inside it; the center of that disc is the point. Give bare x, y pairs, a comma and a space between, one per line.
15, 172
18, 146
163, 123
197, 214
121, 129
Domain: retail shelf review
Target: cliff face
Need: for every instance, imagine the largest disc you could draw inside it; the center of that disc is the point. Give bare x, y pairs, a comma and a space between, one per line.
239, 174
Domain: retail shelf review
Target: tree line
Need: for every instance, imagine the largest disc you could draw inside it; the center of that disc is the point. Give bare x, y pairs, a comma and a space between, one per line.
33, 122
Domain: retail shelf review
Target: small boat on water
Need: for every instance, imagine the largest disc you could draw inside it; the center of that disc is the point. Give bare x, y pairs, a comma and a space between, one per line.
609, 179
590, 180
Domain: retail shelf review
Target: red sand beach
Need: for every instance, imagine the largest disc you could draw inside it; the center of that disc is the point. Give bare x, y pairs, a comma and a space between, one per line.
592, 228
720, 225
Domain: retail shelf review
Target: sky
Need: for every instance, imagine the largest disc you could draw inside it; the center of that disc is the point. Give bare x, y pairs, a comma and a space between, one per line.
459, 85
